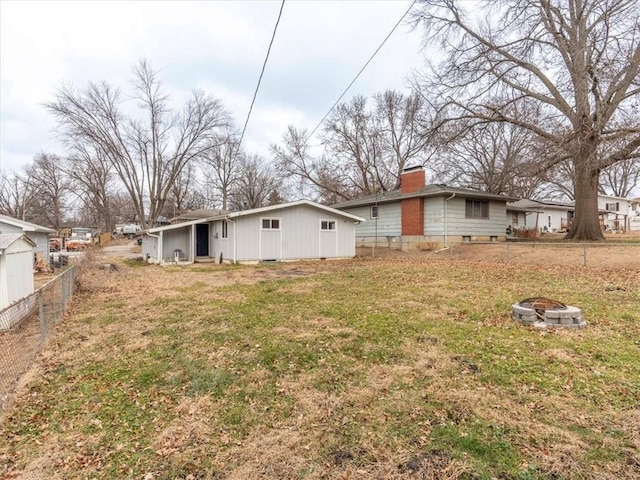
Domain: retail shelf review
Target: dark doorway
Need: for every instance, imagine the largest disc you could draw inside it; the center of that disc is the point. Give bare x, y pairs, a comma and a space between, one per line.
202, 240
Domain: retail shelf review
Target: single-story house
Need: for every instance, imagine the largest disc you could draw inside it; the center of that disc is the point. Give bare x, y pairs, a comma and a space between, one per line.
39, 235
16, 267
418, 215
289, 231
539, 215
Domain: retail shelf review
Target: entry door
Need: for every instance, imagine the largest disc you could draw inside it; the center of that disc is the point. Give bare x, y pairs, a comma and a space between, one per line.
202, 240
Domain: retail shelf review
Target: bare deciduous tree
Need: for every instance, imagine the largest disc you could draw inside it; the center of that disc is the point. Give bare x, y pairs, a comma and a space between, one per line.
92, 176
496, 158
53, 187
222, 169
256, 185
148, 152
576, 62
621, 179
17, 193
364, 150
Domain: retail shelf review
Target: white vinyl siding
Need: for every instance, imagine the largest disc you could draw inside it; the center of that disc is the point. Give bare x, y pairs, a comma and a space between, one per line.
16, 272
299, 235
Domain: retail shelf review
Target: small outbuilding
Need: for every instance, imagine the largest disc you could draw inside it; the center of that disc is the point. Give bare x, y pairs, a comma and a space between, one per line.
38, 234
16, 268
289, 231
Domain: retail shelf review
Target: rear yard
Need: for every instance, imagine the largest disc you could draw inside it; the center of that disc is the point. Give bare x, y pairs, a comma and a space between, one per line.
397, 367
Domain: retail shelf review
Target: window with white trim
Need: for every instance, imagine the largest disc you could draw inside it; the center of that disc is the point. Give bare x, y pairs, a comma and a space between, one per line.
271, 224
327, 225
225, 229
374, 211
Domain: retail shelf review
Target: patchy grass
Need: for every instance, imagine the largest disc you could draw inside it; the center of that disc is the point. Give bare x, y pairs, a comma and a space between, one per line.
366, 369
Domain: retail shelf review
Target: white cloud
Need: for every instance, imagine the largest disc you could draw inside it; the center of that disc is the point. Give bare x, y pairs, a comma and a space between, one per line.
218, 46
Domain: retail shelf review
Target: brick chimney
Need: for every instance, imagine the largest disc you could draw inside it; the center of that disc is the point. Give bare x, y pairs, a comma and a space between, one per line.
412, 180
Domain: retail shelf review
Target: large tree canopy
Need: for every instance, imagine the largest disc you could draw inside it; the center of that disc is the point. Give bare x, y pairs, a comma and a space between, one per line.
566, 70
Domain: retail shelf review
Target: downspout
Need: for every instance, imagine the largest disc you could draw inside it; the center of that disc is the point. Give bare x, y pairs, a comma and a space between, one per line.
446, 226
446, 247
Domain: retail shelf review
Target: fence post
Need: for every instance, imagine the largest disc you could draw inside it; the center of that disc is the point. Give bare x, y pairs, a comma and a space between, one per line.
43, 333
64, 290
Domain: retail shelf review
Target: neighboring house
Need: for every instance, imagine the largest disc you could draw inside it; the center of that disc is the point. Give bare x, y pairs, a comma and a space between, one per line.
37, 234
539, 215
418, 214
16, 268
617, 213
290, 231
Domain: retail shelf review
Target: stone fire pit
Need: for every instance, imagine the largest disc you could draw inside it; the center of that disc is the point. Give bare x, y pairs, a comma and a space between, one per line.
541, 312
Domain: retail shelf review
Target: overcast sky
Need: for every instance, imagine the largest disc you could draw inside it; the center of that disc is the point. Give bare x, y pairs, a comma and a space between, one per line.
218, 46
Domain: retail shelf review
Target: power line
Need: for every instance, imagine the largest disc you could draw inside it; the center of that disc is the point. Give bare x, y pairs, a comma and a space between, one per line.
264, 65
361, 70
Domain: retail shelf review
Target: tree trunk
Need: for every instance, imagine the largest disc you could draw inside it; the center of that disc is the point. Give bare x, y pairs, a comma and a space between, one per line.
586, 222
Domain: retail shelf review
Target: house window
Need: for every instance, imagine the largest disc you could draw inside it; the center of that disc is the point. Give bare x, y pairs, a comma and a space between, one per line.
271, 224
514, 219
612, 207
374, 211
477, 209
549, 221
225, 229
327, 225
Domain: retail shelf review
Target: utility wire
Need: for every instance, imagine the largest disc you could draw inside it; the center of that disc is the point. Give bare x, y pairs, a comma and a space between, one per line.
264, 65
361, 70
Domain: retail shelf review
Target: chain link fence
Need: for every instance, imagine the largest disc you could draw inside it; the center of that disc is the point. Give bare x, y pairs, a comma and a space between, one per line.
26, 325
609, 254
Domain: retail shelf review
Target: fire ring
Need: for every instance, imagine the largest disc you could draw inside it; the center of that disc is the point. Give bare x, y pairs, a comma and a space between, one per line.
542, 312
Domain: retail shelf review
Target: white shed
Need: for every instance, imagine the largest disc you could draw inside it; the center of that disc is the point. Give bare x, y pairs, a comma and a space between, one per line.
38, 234
289, 231
16, 268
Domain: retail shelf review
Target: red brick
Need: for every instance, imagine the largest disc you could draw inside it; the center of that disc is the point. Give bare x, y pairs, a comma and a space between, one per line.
412, 181
412, 216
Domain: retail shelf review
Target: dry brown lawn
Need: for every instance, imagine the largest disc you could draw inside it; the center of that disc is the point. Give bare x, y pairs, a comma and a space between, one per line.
401, 367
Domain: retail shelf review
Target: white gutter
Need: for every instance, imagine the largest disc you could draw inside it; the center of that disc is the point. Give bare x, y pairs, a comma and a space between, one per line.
445, 220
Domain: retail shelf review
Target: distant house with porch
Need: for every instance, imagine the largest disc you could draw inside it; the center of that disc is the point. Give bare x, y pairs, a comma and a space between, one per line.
539, 216
38, 234
418, 215
289, 231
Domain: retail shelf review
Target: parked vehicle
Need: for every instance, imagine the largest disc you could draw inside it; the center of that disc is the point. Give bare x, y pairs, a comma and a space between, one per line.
131, 231
76, 244
54, 245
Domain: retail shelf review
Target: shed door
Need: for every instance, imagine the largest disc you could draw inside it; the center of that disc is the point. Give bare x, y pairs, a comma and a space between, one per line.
270, 239
328, 243
202, 240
